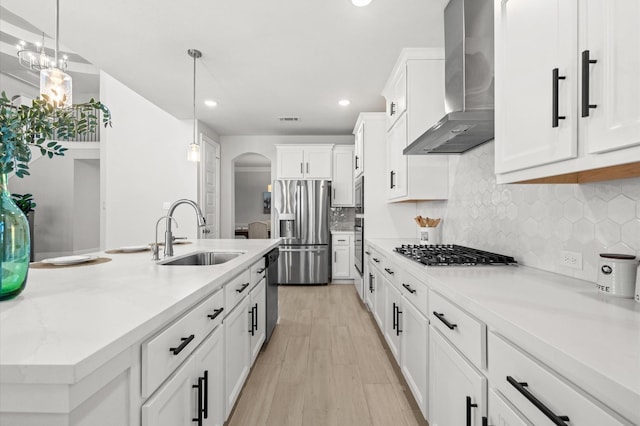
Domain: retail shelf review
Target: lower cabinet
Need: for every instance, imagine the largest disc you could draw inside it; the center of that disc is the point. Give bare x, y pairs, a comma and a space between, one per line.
392, 321
379, 295
414, 353
237, 351
457, 391
369, 288
257, 325
194, 392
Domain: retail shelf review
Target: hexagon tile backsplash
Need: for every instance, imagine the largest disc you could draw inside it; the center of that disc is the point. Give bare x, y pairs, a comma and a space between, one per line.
534, 223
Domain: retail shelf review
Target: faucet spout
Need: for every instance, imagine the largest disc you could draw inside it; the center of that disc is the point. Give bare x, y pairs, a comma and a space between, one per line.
168, 235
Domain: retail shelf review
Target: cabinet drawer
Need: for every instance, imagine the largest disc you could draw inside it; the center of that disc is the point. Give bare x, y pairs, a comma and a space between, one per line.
414, 291
257, 271
391, 272
341, 240
465, 332
376, 259
523, 380
236, 289
164, 352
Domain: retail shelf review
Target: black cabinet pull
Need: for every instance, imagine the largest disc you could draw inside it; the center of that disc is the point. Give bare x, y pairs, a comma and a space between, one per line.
216, 313
398, 312
255, 317
444, 320
376, 260
469, 407
389, 271
586, 61
367, 253
485, 421
205, 382
242, 287
392, 183
301, 168
395, 324
409, 289
520, 387
251, 330
356, 162
185, 342
555, 80
261, 270
199, 387
392, 109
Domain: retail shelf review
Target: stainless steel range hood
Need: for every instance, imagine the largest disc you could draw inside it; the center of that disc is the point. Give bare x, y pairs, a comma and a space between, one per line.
469, 73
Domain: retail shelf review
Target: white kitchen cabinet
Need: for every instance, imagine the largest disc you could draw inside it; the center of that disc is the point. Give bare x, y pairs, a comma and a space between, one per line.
457, 391
420, 72
358, 160
342, 257
502, 413
342, 191
414, 353
545, 84
370, 288
181, 400
392, 328
303, 161
258, 319
237, 351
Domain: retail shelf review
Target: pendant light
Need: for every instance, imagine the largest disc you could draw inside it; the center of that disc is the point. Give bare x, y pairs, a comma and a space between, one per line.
54, 82
194, 148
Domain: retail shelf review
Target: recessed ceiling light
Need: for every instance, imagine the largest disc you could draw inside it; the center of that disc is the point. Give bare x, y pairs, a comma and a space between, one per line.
344, 102
210, 103
360, 3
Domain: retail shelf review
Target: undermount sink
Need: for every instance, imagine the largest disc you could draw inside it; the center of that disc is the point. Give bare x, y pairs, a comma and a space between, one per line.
206, 258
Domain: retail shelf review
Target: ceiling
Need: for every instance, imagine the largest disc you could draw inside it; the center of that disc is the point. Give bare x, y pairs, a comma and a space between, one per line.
261, 59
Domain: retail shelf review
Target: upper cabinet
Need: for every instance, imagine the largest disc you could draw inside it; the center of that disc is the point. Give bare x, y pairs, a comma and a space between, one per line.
304, 161
415, 102
342, 182
565, 75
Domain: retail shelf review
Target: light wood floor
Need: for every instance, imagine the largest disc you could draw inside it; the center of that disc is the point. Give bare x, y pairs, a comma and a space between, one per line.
326, 364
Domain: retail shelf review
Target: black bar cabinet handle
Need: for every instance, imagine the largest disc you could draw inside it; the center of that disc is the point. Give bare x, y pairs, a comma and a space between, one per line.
444, 320
261, 270
586, 61
469, 407
356, 162
185, 342
242, 287
216, 313
376, 260
251, 330
395, 324
205, 382
301, 168
555, 79
409, 289
485, 421
392, 183
255, 317
199, 387
367, 253
398, 312
370, 282
520, 387
392, 109
389, 271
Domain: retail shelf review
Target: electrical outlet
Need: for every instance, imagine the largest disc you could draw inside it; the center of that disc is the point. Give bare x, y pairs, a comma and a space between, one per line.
571, 259
166, 205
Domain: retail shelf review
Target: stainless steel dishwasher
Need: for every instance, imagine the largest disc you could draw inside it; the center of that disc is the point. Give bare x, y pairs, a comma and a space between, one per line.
271, 262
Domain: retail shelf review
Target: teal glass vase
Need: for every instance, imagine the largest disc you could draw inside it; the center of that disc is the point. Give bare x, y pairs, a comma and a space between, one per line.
14, 244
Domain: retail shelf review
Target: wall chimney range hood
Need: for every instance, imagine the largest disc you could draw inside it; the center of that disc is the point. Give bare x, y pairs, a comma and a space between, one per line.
469, 78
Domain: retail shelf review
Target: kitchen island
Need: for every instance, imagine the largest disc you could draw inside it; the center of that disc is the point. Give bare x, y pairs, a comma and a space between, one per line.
70, 344
577, 350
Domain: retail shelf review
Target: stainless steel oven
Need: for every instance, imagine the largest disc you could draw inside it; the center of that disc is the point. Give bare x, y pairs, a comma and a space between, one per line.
359, 245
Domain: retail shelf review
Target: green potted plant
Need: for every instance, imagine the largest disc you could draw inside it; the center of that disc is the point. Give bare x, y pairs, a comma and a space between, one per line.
23, 128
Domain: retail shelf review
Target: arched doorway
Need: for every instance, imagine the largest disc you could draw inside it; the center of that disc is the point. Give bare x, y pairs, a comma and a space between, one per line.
252, 191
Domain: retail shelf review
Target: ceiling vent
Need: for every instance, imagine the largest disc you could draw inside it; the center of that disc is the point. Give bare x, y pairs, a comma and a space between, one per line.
289, 119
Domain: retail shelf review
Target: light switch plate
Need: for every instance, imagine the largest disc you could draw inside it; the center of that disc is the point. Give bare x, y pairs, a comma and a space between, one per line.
571, 259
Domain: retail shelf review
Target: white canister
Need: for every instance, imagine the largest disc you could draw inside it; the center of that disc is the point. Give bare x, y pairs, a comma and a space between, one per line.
617, 274
431, 235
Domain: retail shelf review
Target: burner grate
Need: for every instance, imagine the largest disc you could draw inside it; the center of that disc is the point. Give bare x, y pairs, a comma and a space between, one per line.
452, 254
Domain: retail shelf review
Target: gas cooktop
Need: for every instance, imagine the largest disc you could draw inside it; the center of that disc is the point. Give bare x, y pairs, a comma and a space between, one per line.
452, 255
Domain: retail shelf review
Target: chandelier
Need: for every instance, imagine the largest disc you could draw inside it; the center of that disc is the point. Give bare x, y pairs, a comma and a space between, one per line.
34, 56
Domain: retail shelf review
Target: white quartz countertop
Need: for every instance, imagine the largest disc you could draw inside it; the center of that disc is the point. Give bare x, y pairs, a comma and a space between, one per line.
593, 339
69, 321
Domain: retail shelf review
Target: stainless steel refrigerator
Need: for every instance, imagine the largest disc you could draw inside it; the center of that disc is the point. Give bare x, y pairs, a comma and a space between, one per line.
301, 209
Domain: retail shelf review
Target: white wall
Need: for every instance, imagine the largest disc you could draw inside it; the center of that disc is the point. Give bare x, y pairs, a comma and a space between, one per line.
250, 183
86, 205
143, 165
534, 223
52, 184
233, 146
